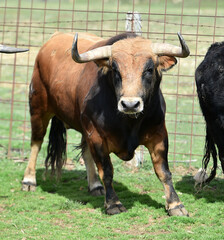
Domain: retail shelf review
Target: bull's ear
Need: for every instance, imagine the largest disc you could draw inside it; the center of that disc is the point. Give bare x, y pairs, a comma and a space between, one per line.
166, 62
102, 62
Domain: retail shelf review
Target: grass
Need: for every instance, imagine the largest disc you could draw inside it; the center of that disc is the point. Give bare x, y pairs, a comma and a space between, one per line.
65, 210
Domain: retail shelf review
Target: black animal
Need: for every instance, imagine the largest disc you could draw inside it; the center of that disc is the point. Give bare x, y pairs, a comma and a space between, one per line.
210, 88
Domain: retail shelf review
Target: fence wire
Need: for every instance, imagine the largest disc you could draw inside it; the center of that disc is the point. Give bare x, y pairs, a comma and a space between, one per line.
30, 23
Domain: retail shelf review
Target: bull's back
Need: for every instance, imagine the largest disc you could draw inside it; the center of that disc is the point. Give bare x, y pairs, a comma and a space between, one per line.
56, 76
54, 58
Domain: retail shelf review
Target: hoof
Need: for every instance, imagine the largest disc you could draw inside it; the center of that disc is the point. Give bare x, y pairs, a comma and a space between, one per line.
28, 187
98, 191
115, 209
178, 211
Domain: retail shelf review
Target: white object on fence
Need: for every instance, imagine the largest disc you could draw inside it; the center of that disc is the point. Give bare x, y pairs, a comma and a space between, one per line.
134, 24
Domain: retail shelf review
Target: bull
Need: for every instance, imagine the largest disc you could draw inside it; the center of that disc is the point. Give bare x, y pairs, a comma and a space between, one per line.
209, 77
110, 94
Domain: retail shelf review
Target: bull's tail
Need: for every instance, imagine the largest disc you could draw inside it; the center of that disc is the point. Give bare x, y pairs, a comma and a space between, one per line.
56, 150
210, 149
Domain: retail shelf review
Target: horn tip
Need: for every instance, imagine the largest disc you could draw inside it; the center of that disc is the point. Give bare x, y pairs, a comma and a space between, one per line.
10, 50
75, 39
76, 36
184, 45
74, 50
180, 36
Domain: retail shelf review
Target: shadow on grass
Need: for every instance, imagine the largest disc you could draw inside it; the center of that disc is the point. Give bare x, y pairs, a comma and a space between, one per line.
73, 185
212, 192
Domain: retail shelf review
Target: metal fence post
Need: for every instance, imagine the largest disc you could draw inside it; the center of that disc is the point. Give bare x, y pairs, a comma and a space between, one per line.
133, 23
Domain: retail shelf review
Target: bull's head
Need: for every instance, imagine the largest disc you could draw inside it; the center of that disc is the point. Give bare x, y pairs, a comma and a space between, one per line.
136, 66
7, 49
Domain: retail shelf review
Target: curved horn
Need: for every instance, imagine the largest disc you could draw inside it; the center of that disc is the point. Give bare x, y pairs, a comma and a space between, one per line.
7, 49
95, 54
171, 50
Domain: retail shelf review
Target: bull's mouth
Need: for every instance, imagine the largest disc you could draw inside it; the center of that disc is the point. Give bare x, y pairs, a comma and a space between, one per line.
133, 115
130, 106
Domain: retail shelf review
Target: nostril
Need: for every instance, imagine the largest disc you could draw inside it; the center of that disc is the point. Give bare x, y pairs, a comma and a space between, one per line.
136, 104
123, 104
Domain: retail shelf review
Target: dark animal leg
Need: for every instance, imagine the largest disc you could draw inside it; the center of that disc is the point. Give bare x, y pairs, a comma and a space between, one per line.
218, 134
95, 187
214, 137
210, 149
100, 154
39, 126
221, 153
105, 169
158, 148
221, 157
112, 202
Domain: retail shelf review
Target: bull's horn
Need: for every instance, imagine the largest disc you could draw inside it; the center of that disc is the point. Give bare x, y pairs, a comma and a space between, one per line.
95, 54
7, 49
171, 50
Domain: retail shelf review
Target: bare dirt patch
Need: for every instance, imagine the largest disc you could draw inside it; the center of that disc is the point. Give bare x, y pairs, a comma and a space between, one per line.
143, 229
182, 171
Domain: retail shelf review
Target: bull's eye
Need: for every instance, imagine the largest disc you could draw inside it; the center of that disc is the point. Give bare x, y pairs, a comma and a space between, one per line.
116, 78
114, 66
116, 73
148, 73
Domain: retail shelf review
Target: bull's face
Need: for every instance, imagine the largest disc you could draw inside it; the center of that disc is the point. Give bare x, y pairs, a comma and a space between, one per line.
136, 73
136, 66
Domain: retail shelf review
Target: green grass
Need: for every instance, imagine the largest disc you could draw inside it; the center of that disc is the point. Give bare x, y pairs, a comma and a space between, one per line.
65, 210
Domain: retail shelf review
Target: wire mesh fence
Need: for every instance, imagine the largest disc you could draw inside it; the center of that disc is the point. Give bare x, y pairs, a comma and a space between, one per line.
30, 23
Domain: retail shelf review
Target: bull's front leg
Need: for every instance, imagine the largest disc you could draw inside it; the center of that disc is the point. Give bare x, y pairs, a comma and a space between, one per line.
157, 144
100, 154
105, 169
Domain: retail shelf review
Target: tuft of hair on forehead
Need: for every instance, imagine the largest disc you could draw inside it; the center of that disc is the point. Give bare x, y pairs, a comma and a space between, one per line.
121, 36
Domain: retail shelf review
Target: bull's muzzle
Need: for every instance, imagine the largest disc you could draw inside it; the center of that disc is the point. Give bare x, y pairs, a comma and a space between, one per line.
130, 105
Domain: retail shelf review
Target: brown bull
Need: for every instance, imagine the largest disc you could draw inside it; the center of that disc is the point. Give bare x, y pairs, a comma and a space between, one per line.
110, 93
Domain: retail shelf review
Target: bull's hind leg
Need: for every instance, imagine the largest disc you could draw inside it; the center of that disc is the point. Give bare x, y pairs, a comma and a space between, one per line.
216, 136
95, 186
38, 126
157, 145
29, 179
